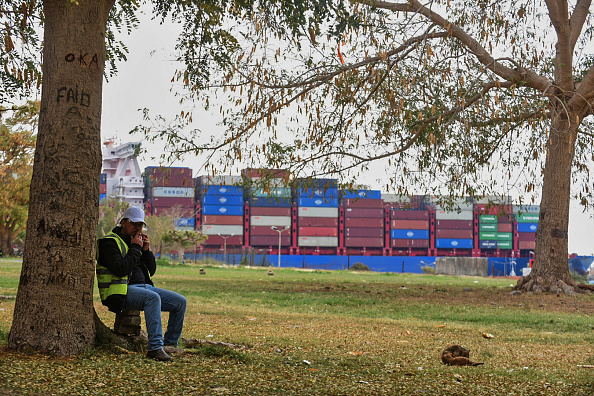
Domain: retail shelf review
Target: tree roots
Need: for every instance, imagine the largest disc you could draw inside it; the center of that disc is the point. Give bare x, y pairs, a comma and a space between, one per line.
538, 284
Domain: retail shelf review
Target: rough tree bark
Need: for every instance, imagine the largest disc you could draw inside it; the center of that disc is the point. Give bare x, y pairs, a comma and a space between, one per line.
54, 306
551, 236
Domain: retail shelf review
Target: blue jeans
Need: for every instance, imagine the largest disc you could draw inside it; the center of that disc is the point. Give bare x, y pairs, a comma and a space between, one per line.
152, 301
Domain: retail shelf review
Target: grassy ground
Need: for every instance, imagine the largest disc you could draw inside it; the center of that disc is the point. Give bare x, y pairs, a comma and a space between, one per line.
333, 333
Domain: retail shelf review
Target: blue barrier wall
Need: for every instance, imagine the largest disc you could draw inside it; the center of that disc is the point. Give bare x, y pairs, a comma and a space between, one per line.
498, 266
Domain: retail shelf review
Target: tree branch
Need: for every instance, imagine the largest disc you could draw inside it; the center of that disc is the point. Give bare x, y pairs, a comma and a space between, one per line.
577, 20
520, 76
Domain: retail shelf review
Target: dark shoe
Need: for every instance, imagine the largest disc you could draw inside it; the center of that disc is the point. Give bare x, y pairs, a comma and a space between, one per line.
159, 354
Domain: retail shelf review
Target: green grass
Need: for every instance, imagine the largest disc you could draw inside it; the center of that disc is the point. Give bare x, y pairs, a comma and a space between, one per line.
332, 333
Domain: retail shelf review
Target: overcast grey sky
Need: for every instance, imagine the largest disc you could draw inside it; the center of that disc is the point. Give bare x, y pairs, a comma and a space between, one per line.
144, 81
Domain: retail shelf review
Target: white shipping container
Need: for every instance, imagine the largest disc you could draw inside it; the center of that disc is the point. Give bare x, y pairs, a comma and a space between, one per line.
281, 221
185, 228
456, 206
463, 215
222, 229
273, 182
493, 199
220, 180
526, 209
318, 241
396, 198
178, 192
308, 211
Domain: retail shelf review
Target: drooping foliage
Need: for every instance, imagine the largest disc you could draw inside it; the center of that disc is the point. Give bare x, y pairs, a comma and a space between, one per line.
448, 95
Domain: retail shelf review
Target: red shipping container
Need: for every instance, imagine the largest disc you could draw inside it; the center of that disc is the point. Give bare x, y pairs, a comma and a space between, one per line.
317, 221
412, 243
169, 202
363, 242
453, 234
364, 212
266, 230
505, 227
222, 220
363, 203
527, 236
403, 205
409, 224
364, 232
318, 231
362, 222
177, 211
102, 188
264, 240
527, 245
215, 240
505, 219
170, 177
269, 211
453, 224
409, 214
486, 209
257, 173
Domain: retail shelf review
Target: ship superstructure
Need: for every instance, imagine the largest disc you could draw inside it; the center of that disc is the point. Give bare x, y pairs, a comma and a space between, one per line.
123, 177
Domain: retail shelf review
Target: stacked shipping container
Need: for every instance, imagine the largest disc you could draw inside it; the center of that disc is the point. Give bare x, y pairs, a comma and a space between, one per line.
317, 213
102, 187
453, 226
270, 208
527, 222
495, 226
363, 219
221, 201
171, 191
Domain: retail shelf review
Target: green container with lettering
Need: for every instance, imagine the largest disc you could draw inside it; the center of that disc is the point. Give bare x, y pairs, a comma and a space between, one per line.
488, 227
527, 218
487, 219
504, 236
504, 245
485, 236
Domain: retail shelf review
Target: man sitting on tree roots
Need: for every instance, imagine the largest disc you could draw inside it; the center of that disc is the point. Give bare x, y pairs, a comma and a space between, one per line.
125, 265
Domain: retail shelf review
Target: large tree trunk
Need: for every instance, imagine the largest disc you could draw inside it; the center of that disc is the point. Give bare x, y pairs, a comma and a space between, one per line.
550, 272
54, 306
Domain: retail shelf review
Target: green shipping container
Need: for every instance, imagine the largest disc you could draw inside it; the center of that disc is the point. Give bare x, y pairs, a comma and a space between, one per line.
504, 236
527, 218
483, 236
488, 227
487, 219
504, 244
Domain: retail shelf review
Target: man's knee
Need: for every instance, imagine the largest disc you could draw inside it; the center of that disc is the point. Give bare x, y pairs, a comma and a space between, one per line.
182, 304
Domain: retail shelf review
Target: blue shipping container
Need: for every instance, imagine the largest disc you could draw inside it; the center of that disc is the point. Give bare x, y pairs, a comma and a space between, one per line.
409, 234
227, 200
185, 222
320, 202
270, 202
453, 243
317, 192
367, 194
222, 210
527, 227
221, 190
488, 244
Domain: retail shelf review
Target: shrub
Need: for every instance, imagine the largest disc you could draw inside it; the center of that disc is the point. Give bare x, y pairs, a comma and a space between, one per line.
428, 269
359, 267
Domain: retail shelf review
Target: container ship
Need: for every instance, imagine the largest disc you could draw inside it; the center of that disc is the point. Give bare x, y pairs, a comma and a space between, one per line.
321, 219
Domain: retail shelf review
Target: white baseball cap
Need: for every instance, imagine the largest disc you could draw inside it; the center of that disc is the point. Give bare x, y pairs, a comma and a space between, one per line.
134, 214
